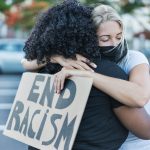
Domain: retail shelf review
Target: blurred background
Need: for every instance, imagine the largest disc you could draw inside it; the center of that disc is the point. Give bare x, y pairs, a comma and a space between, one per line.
17, 18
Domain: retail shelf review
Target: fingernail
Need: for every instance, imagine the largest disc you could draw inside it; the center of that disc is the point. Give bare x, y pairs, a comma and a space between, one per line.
94, 65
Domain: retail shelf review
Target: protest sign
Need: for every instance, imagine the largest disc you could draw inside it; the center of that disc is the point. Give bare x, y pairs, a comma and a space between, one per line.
43, 119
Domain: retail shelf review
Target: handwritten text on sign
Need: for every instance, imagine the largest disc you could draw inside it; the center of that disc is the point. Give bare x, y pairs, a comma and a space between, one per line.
46, 120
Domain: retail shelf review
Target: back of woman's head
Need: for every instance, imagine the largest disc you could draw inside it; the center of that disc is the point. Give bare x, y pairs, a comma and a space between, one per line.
65, 29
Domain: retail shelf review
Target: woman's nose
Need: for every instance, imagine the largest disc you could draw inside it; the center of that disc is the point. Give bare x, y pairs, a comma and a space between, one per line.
114, 42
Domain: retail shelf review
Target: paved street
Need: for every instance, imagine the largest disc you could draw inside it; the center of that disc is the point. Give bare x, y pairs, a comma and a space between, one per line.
8, 88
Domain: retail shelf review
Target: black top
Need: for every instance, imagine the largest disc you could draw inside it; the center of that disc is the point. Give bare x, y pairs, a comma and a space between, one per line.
99, 128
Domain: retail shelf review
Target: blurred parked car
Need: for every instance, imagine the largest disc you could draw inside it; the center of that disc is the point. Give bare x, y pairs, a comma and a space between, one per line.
11, 53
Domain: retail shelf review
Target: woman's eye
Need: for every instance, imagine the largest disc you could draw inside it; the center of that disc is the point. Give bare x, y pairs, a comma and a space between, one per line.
119, 38
104, 39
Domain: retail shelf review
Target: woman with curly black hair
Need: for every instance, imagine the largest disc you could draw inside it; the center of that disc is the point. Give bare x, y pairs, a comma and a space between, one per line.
67, 29
63, 30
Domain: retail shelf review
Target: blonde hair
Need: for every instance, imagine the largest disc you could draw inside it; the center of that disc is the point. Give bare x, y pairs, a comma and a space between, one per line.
103, 13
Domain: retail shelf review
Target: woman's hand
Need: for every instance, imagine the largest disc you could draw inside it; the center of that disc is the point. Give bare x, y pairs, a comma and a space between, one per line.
31, 65
66, 73
81, 63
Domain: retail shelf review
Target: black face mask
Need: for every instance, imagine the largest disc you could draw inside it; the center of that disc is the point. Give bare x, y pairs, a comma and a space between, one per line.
114, 53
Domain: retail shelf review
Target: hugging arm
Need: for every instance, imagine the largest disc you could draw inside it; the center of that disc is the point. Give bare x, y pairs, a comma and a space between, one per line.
134, 93
135, 120
80, 63
31, 65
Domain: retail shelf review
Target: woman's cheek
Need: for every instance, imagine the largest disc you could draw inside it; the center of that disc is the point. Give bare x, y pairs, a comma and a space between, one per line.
105, 43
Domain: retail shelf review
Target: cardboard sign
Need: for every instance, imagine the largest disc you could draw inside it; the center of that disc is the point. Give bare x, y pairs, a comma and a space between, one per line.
43, 119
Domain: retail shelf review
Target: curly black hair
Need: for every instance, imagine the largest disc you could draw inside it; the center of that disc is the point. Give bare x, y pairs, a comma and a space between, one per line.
65, 29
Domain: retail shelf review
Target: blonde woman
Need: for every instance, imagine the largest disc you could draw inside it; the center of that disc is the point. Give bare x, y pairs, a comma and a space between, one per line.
134, 64
135, 92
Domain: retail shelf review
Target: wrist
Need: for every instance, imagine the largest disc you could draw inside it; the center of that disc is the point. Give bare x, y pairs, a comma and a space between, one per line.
57, 59
52, 60
90, 74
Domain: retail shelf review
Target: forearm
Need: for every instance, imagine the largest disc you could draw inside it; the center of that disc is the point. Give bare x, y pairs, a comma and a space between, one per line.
136, 120
126, 92
31, 65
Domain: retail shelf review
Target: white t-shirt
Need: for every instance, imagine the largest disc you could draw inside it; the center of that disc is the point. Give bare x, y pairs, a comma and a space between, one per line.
133, 59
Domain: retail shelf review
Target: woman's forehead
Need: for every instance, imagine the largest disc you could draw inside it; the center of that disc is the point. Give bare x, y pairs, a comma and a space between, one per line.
109, 27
